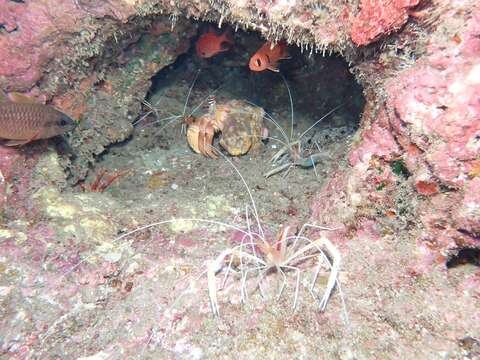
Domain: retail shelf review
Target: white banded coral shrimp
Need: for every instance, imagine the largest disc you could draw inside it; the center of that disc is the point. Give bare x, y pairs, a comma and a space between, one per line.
257, 257
295, 151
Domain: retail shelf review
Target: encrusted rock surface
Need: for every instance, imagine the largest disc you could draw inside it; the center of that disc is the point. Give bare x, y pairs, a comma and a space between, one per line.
415, 170
378, 18
430, 120
96, 63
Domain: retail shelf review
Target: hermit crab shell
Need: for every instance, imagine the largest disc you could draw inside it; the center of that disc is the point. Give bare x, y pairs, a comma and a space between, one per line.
240, 125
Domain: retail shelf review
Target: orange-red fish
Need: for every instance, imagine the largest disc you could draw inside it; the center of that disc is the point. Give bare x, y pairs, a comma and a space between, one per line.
267, 58
23, 120
210, 44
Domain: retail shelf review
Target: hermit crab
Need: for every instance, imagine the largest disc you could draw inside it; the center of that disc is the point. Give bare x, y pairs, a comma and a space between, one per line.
239, 123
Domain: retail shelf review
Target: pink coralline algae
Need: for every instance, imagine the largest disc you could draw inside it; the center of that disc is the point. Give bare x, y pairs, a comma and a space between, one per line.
430, 120
379, 17
377, 139
40, 29
437, 104
15, 165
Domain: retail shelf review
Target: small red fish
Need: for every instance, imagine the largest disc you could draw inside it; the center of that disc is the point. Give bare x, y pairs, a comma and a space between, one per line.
210, 44
267, 58
23, 120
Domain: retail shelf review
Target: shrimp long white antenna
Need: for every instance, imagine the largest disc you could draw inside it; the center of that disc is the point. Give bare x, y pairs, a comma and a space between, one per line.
151, 110
270, 118
155, 110
323, 117
168, 119
254, 207
171, 121
143, 117
291, 104
159, 223
190, 91
174, 118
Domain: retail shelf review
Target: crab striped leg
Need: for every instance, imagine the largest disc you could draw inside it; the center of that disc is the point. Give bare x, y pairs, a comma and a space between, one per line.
201, 135
210, 150
205, 138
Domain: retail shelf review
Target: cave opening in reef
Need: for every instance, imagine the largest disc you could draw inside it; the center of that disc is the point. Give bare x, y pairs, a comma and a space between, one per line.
308, 87
464, 256
315, 93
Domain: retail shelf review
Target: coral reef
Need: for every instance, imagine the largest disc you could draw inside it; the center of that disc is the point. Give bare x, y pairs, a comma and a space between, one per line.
406, 204
378, 18
96, 64
430, 120
113, 96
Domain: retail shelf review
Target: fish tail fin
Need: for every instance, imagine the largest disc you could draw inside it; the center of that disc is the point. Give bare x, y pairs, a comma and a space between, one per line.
273, 68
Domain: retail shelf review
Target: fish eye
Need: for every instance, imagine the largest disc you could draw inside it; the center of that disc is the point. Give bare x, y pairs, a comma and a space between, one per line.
63, 122
259, 63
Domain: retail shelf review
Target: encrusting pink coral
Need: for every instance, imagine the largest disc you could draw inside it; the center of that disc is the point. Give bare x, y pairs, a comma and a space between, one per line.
379, 17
